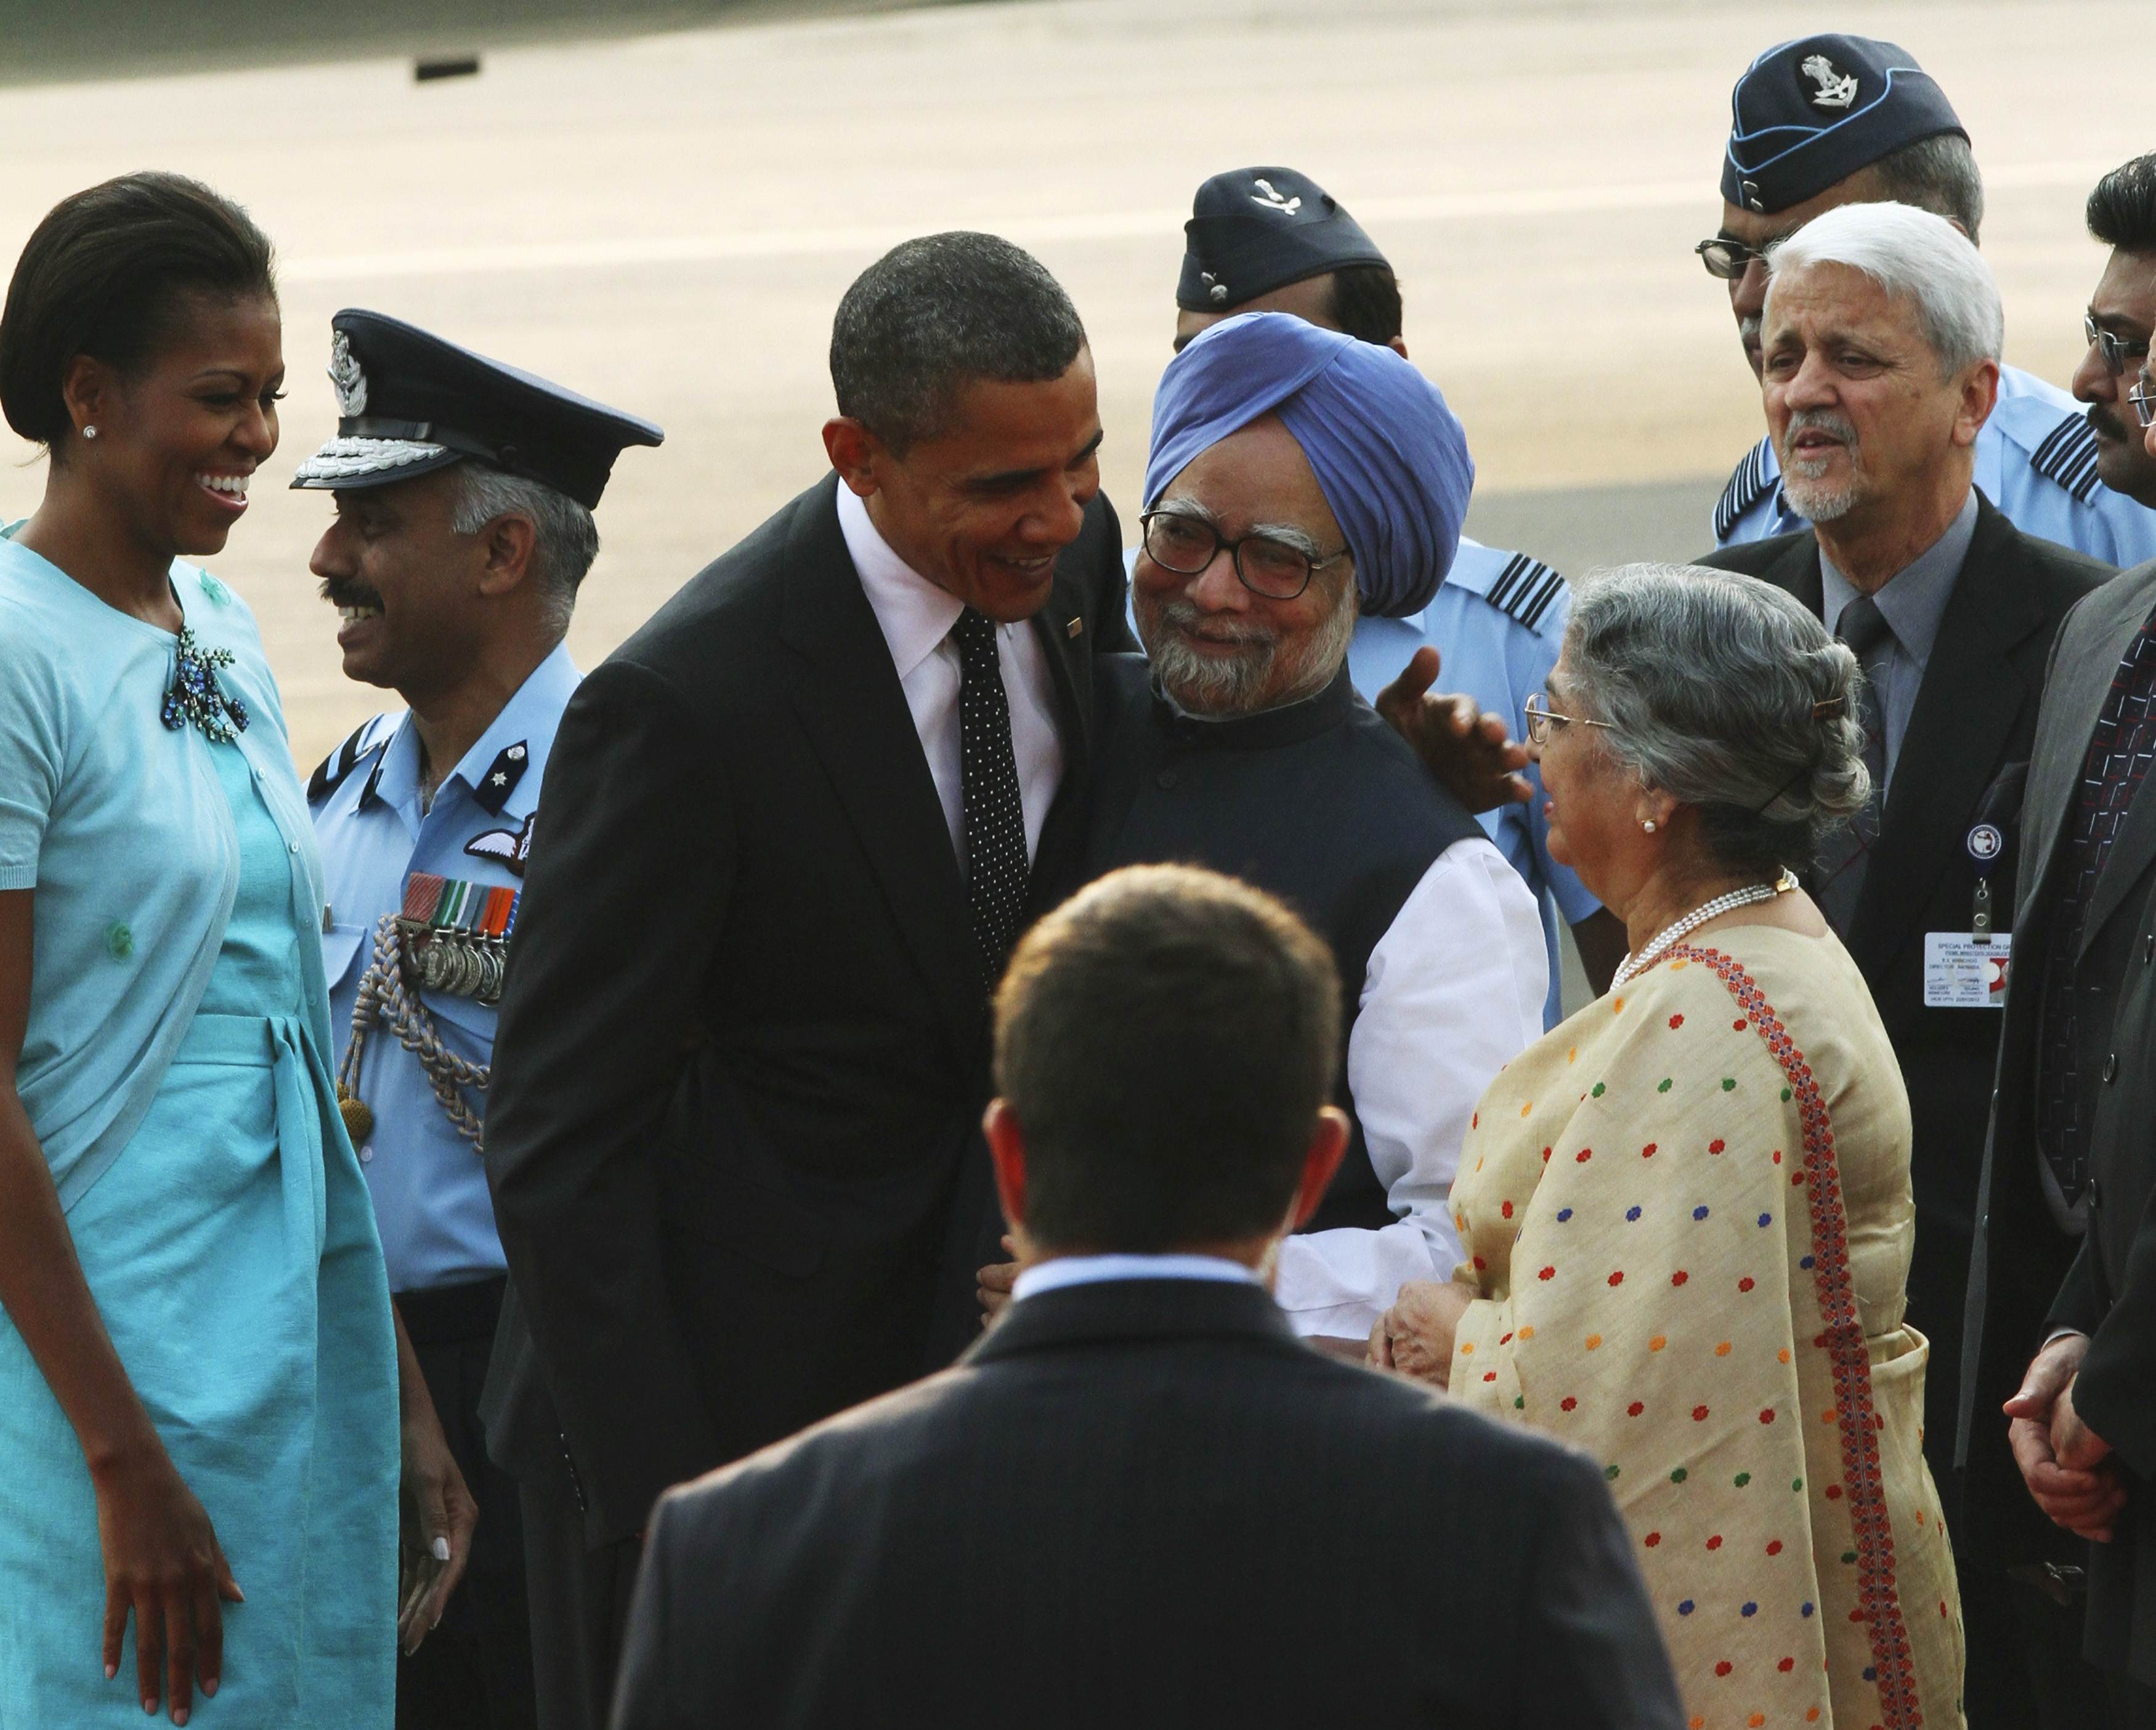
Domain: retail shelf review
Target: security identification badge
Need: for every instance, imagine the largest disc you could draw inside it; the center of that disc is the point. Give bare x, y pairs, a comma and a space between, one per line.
1969, 973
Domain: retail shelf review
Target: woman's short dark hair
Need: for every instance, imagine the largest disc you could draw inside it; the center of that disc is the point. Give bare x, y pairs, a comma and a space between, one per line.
103, 275
1165, 1038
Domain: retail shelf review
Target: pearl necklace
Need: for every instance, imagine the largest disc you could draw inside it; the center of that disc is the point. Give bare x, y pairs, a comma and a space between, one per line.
1633, 966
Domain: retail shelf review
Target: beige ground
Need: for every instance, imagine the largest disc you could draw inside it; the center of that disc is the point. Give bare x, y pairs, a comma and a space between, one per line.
667, 222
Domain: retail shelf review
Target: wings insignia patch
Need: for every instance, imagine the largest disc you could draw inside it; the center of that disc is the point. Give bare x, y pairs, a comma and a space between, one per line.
511, 849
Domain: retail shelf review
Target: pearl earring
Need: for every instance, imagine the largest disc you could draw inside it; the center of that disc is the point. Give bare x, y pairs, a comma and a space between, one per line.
1649, 825
89, 432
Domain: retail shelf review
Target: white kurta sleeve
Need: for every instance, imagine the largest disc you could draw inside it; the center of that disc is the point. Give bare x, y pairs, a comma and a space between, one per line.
1454, 992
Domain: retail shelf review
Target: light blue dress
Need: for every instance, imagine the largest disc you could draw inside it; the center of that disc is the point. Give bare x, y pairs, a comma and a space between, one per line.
232, 1254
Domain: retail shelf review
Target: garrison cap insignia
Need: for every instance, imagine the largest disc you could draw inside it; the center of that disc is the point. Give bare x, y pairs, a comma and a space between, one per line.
1253, 230
1836, 90
1524, 590
330, 773
1808, 114
511, 849
346, 375
501, 779
2068, 456
1747, 485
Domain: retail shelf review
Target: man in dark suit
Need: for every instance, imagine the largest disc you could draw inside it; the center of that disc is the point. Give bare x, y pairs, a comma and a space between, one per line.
1139, 1500
2060, 1269
789, 831
1882, 334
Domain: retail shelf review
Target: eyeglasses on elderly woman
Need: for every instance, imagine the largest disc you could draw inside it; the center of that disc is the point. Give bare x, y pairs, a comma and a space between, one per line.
1542, 719
2143, 397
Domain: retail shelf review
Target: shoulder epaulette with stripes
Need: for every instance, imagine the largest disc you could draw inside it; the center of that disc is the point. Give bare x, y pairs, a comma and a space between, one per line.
329, 775
1524, 590
1747, 485
2067, 455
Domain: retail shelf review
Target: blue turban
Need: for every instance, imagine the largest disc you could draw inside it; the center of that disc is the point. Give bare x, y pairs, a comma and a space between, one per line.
1390, 458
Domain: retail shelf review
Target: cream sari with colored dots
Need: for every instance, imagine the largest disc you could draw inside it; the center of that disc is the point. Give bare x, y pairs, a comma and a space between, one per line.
1689, 1215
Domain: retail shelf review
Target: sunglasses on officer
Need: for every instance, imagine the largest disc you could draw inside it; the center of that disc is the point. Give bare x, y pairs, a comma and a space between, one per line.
2116, 350
1727, 258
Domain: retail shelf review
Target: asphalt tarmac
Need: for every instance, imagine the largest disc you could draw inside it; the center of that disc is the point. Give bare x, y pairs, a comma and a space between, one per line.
666, 221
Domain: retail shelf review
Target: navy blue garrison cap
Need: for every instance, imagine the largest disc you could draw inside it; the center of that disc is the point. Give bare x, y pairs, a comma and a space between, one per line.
1809, 114
408, 402
1252, 230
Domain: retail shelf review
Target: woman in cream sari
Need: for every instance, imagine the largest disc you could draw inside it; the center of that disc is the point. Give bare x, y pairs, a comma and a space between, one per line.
1688, 1208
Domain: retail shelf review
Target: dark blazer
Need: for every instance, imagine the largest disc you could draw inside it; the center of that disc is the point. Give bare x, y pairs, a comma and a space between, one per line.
2021, 1255
743, 1047
1144, 1503
1972, 728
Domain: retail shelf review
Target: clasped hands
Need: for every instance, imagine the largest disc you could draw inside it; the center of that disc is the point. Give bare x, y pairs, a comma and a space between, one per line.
2064, 1462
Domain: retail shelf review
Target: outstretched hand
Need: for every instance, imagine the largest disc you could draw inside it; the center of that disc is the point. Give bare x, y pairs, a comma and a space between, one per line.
1467, 749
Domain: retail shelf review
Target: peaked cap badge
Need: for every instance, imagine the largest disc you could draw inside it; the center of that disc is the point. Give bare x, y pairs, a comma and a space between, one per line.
1836, 88
1269, 196
345, 374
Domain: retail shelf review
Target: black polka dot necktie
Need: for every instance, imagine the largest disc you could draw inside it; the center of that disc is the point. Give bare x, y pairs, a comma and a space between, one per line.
996, 869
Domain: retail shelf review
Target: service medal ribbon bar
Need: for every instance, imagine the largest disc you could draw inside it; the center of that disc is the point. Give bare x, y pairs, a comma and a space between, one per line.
455, 935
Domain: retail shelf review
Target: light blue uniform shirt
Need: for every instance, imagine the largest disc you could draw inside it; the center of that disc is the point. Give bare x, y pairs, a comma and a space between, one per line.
1496, 621
428, 1183
2035, 460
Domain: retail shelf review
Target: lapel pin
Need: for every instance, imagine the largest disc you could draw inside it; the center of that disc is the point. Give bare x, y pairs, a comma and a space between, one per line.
1075, 628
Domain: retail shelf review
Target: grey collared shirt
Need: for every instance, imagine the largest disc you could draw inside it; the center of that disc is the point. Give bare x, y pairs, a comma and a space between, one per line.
1912, 601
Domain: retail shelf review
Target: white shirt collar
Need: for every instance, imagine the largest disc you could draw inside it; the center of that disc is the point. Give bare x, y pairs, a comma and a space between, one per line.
915, 614
1054, 1275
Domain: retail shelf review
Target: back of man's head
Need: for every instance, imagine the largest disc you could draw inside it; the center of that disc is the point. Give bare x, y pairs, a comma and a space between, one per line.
1165, 1040
934, 314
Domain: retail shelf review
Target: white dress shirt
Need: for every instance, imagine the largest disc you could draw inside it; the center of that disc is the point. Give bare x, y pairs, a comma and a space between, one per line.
1453, 993
1061, 1271
916, 618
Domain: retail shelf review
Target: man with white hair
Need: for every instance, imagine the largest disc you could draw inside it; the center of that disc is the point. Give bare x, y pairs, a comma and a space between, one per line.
1832, 119
1880, 368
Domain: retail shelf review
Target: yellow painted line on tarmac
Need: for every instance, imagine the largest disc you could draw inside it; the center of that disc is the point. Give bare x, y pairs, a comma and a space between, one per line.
598, 253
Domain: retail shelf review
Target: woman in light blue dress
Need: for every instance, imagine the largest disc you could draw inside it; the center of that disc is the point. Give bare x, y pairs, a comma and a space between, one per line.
198, 1393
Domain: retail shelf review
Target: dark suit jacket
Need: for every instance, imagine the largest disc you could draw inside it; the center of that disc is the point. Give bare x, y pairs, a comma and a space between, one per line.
2022, 1257
743, 1047
1974, 720
1144, 1503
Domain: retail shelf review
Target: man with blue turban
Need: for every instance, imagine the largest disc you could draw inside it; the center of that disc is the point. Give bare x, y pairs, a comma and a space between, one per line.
1292, 469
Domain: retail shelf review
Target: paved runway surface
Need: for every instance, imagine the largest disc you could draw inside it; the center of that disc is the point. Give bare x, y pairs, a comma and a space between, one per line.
666, 221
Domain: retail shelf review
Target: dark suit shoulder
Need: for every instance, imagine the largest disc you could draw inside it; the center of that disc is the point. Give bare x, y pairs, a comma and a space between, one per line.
2063, 573
727, 615
1754, 558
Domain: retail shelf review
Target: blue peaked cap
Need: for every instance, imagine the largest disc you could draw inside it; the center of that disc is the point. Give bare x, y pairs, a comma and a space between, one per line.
1390, 457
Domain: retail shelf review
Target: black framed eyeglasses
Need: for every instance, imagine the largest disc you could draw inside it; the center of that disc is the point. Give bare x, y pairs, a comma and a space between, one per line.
1542, 719
1728, 258
1265, 564
2116, 350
